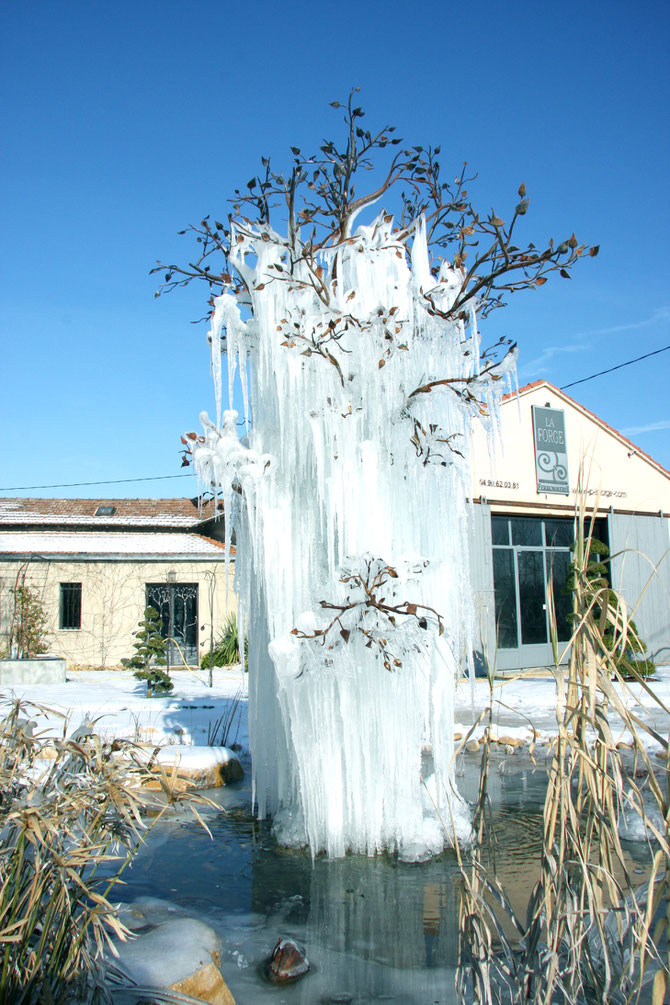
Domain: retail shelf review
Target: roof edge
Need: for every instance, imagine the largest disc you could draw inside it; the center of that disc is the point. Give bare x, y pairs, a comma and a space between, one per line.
534, 385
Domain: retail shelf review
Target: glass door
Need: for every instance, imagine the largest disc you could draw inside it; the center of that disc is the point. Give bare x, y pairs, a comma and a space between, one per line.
530, 556
177, 605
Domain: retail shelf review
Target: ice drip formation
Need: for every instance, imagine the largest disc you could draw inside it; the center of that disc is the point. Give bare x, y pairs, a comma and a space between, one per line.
348, 495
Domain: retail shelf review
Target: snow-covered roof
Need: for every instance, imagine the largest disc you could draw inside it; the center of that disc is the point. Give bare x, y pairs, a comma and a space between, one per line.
96, 512
86, 545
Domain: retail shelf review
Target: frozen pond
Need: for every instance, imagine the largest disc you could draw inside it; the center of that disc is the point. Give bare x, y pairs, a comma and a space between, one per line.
374, 929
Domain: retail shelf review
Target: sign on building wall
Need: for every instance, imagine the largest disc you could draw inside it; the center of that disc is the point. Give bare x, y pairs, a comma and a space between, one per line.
551, 456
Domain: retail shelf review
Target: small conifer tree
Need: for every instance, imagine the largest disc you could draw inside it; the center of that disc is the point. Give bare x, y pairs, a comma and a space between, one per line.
150, 654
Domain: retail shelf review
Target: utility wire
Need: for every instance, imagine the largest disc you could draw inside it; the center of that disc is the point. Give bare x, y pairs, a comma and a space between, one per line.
158, 478
74, 485
619, 367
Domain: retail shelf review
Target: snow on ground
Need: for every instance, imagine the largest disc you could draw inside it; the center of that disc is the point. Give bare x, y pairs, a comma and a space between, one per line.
524, 703
119, 704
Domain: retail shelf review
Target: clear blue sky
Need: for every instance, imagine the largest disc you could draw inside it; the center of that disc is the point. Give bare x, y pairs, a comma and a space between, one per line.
124, 122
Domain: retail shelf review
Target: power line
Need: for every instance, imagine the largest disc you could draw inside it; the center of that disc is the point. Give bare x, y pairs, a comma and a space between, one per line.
158, 478
619, 367
75, 485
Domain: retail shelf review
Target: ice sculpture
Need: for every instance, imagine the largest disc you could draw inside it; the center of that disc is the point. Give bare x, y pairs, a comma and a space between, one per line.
349, 501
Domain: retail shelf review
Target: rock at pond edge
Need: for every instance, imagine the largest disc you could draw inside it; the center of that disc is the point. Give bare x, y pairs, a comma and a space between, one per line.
287, 963
207, 984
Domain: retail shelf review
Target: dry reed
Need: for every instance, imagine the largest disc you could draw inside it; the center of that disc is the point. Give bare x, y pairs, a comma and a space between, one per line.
587, 932
71, 817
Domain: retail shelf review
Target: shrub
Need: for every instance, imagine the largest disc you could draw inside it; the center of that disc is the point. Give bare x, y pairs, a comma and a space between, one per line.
150, 655
620, 637
29, 635
227, 646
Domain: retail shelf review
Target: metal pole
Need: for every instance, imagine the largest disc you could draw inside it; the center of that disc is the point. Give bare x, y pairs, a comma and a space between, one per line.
212, 578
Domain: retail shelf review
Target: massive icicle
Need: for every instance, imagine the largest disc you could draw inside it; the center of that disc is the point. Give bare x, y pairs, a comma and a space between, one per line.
349, 500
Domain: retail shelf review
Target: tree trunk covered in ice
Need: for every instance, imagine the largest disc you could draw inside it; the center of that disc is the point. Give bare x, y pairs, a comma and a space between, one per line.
359, 358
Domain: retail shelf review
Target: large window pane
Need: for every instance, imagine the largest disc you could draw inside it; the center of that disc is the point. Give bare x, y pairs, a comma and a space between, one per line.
559, 562
559, 533
505, 598
531, 597
526, 530
500, 530
184, 615
158, 597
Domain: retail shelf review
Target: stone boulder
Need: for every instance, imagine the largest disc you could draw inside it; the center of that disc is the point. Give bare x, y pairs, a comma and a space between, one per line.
207, 984
198, 767
170, 951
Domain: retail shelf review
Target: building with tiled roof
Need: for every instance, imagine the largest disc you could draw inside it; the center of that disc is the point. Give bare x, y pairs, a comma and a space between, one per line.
95, 545
95, 564
107, 514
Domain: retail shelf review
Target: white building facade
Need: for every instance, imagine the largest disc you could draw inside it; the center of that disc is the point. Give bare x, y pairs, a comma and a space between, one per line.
552, 453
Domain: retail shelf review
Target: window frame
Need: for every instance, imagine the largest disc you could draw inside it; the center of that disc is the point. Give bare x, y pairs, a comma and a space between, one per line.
550, 528
69, 607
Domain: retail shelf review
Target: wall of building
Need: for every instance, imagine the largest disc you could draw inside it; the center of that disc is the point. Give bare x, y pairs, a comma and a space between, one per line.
481, 573
640, 572
607, 476
112, 602
613, 472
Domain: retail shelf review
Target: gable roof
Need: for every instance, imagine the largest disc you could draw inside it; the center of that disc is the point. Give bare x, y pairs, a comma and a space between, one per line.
163, 513
552, 389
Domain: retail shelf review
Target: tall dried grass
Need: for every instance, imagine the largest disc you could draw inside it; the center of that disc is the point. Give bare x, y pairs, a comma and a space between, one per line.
72, 812
587, 932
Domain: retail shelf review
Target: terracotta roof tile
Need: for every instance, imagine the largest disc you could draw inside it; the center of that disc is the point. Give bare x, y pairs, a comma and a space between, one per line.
127, 512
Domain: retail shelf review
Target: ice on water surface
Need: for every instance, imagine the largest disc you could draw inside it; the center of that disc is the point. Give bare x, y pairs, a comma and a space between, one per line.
348, 497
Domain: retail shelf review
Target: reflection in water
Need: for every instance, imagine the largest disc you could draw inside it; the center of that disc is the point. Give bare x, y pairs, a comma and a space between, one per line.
373, 929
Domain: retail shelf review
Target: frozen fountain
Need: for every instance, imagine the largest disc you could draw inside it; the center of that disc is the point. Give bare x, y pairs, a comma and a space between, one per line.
348, 497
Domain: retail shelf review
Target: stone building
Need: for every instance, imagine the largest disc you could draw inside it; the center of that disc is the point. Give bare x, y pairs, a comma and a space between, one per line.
95, 565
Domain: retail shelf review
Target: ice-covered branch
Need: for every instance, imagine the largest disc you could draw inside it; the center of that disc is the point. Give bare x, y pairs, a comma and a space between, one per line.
223, 461
374, 614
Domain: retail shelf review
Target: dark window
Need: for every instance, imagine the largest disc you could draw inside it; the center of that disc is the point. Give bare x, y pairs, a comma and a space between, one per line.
105, 511
177, 605
559, 563
505, 597
538, 553
69, 612
559, 533
526, 530
500, 529
531, 598
528, 553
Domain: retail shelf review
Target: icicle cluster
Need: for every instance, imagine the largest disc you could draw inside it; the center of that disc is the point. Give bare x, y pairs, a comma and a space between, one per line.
349, 502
